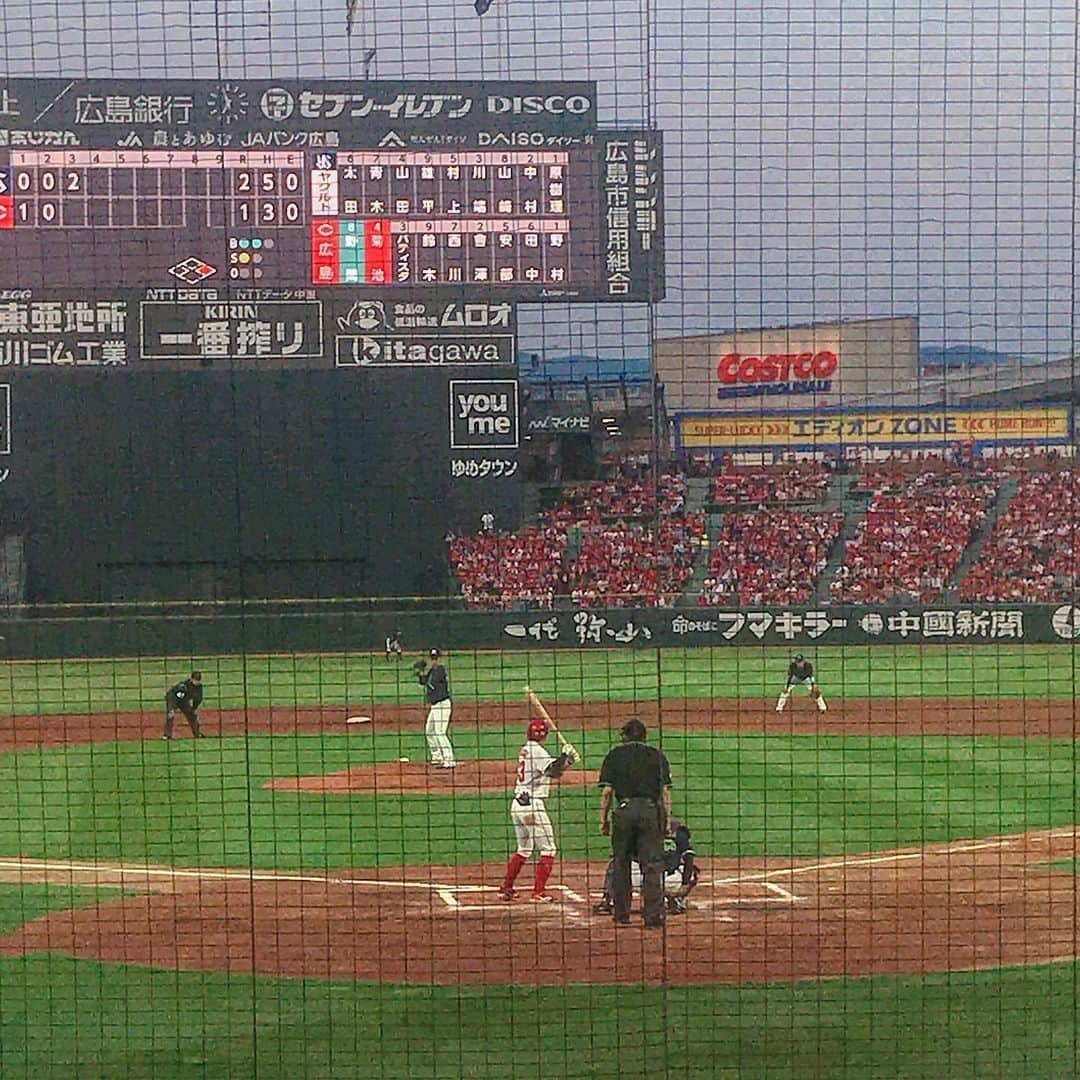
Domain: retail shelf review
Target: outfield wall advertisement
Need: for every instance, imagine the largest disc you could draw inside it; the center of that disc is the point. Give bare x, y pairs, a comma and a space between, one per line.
234, 630
873, 428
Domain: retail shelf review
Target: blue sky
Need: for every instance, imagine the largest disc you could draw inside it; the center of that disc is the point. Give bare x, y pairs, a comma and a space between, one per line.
823, 160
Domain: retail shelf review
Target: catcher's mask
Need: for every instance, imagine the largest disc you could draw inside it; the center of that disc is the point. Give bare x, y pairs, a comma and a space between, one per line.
538, 730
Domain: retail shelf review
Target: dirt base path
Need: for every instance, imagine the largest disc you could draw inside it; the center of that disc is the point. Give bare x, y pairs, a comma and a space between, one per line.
960, 906
890, 717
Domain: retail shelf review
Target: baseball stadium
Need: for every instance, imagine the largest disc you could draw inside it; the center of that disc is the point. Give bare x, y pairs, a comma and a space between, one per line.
538, 539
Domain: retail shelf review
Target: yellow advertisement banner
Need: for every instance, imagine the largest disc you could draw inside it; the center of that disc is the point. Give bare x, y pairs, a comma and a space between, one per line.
880, 427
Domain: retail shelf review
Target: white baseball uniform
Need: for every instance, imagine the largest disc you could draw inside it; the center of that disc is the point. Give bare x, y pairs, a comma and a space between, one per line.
531, 823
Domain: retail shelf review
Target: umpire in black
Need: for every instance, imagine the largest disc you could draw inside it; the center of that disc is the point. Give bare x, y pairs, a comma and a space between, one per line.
186, 697
637, 778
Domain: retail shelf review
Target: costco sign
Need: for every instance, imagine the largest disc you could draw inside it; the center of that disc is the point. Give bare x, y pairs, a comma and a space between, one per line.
741, 375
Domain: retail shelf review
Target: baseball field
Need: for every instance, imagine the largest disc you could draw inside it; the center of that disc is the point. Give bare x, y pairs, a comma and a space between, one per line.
888, 889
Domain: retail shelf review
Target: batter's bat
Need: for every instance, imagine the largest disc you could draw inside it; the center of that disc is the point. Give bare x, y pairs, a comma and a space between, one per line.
538, 705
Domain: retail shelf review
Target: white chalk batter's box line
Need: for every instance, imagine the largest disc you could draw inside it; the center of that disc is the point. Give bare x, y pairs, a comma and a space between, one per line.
448, 892
108, 875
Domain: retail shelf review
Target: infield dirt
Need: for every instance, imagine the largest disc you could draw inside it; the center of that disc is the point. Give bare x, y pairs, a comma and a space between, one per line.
886, 717
964, 905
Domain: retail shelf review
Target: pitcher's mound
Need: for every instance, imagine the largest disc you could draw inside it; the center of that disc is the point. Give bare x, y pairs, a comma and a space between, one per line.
419, 778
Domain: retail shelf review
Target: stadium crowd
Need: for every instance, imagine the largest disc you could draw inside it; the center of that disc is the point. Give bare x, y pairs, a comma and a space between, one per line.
625, 541
502, 570
916, 528
1033, 553
769, 556
629, 565
620, 562
804, 482
620, 498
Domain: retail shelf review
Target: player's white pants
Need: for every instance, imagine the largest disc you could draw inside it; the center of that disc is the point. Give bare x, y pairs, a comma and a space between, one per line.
811, 685
533, 828
440, 747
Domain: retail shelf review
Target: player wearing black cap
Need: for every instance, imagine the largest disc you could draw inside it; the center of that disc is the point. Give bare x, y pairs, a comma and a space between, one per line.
800, 672
185, 697
436, 684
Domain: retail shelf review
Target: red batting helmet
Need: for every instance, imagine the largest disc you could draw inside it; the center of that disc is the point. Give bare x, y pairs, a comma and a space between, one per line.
538, 730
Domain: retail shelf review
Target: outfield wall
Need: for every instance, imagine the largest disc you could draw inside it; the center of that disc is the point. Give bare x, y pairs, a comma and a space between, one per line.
290, 630
232, 485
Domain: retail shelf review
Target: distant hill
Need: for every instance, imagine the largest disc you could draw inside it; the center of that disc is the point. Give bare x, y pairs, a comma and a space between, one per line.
942, 357
534, 367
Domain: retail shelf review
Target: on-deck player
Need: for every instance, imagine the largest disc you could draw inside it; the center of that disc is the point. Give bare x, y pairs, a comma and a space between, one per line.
801, 673
536, 769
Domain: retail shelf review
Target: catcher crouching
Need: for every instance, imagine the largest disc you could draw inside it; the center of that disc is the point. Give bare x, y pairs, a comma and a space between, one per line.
681, 872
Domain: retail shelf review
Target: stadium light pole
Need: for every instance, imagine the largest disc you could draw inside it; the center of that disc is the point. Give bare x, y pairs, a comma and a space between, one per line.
581, 334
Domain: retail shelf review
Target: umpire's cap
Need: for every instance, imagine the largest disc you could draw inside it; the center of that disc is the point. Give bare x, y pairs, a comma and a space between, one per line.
435, 652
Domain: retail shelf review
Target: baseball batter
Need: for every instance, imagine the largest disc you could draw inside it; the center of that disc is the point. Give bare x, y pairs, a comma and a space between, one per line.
536, 768
801, 673
436, 684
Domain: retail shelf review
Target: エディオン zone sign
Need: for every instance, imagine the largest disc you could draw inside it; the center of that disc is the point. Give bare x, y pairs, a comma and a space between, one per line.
874, 427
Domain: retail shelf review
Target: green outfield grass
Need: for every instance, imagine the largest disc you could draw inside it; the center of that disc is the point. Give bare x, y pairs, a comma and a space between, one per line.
203, 804
68, 1018
109, 685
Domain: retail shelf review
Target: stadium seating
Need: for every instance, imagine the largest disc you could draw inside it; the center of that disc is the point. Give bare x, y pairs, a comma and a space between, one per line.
1033, 554
638, 546
800, 483
769, 556
622, 561
620, 498
503, 570
630, 565
920, 519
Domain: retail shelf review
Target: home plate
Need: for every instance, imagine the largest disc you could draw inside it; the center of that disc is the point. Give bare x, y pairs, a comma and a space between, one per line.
358, 720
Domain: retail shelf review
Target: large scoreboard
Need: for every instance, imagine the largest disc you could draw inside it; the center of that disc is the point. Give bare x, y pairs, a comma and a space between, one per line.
479, 190
318, 283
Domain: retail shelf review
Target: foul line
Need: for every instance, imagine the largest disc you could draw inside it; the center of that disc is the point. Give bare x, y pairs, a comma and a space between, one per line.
843, 864
446, 892
105, 869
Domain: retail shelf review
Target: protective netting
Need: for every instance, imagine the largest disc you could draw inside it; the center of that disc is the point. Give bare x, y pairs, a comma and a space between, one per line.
537, 538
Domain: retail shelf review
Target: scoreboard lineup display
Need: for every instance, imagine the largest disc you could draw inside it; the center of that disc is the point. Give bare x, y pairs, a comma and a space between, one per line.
500, 189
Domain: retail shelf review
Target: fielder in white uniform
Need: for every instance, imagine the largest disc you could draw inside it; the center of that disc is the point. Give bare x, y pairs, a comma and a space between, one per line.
536, 768
436, 684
